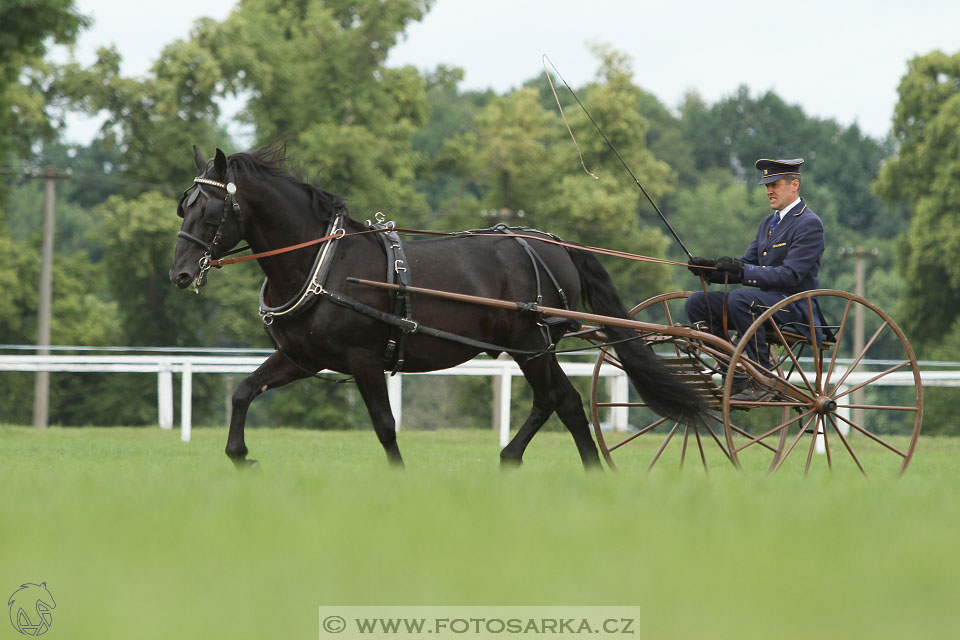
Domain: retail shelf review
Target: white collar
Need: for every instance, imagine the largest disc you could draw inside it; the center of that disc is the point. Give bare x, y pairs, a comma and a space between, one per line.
789, 207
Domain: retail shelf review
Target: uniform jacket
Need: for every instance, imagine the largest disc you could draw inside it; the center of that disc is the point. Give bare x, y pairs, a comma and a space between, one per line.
789, 260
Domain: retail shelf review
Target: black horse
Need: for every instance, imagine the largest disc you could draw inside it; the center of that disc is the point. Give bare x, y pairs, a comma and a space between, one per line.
320, 319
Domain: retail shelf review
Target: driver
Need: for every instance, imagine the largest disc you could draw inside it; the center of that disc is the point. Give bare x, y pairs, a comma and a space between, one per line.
783, 259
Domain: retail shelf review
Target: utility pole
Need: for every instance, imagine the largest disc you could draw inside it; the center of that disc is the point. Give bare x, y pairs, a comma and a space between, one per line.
860, 255
41, 394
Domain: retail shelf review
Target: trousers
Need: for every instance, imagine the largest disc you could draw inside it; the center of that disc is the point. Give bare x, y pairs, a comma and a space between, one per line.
743, 306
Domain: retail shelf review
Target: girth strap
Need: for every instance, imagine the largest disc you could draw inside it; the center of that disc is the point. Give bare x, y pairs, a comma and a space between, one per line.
402, 306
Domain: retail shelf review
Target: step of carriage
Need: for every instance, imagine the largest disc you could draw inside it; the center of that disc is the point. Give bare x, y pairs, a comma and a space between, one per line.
690, 371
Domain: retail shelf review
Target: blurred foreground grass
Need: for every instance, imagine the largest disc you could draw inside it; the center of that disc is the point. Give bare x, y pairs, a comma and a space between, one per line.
140, 535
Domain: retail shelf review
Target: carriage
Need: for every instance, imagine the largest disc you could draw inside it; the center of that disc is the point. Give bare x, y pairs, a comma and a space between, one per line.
349, 305
843, 393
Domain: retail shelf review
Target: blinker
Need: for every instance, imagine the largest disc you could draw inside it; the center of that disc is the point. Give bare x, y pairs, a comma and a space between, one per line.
212, 211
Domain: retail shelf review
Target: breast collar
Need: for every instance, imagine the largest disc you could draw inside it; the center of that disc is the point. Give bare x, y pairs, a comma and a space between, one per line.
313, 286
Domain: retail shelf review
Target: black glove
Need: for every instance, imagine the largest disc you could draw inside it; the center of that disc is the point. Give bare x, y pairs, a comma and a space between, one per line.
695, 265
730, 265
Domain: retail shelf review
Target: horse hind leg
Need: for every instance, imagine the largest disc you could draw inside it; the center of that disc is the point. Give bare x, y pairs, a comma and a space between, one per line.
570, 411
275, 371
552, 391
512, 454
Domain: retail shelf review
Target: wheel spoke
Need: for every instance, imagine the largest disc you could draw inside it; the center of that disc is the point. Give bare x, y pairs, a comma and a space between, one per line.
666, 310
836, 343
846, 444
882, 407
783, 425
826, 442
703, 456
683, 450
887, 372
817, 356
638, 434
803, 429
856, 361
720, 444
612, 360
793, 357
663, 446
873, 437
813, 443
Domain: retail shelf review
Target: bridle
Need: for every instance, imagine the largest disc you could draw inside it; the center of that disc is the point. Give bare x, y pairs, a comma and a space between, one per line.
213, 215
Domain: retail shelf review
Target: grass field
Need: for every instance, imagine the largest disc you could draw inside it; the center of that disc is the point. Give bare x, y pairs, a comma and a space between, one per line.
141, 536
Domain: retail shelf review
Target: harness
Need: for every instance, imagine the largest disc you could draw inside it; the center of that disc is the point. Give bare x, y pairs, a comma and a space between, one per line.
400, 316
214, 216
313, 287
401, 305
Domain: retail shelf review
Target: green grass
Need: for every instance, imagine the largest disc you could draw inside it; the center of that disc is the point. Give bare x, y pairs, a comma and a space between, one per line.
141, 536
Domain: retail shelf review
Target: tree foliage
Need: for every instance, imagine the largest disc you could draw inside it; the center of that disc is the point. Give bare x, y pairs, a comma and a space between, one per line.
925, 175
313, 75
27, 27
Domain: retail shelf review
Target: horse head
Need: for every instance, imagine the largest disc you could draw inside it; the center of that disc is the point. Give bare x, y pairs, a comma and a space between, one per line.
212, 221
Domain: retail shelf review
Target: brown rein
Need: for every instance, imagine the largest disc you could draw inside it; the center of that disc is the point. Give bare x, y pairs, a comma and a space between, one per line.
342, 234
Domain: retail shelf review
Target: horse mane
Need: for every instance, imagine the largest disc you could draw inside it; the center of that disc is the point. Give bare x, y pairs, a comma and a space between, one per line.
272, 161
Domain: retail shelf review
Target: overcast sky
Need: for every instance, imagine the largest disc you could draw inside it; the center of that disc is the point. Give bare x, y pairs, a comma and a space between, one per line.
837, 59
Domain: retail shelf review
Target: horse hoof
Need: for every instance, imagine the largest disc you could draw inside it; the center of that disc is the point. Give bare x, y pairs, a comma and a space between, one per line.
244, 465
510, 463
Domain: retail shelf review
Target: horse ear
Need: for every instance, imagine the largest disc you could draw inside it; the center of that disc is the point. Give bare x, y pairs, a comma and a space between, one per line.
220, 163
199, 159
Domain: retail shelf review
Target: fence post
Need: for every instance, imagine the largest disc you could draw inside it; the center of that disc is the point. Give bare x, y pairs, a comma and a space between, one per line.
186, 402
165, 397
619, 392
395, 393
502, 410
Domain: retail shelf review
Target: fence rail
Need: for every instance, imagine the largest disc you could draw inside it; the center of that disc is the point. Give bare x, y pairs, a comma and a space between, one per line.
502, 370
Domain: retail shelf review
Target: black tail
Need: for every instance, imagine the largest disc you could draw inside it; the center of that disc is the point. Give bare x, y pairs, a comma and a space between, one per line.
663, 393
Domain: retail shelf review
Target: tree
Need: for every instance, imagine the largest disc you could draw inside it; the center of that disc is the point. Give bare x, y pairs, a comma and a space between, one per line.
925, 175
154, 121
28, 26
314, 75
736, 131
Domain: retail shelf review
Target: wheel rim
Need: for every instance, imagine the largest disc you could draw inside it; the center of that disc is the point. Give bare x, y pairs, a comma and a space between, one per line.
827, 395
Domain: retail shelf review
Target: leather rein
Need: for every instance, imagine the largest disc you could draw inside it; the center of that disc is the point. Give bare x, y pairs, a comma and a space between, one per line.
340, 234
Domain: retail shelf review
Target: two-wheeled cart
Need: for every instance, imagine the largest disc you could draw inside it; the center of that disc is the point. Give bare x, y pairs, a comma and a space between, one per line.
849, 393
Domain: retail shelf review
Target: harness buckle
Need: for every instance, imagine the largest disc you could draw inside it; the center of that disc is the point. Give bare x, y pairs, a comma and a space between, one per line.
398, 266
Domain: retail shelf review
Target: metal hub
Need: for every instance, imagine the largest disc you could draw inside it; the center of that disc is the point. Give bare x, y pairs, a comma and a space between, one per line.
825, 405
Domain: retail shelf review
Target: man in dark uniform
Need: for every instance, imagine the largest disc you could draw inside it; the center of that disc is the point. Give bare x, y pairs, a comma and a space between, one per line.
783, 259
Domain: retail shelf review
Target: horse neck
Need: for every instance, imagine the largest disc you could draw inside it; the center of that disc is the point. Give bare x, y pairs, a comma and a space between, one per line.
283, 219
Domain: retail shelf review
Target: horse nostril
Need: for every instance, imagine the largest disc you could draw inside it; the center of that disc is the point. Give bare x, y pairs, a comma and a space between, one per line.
182, 279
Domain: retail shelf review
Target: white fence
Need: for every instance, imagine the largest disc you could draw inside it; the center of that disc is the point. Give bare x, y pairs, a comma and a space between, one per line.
502, 370
165, 366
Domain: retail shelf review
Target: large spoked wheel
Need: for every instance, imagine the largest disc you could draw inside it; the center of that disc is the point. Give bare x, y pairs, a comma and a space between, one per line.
851, 394
657, 439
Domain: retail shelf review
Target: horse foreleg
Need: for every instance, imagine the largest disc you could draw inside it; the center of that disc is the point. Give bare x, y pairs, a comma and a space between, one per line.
275, 371
372, 385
